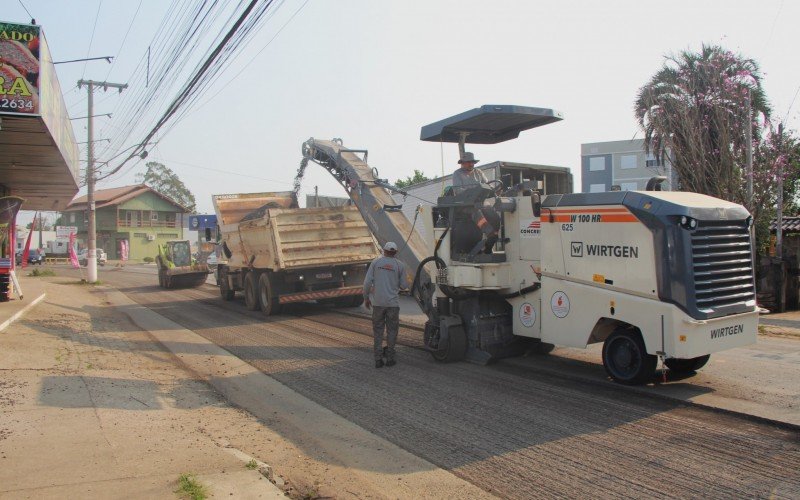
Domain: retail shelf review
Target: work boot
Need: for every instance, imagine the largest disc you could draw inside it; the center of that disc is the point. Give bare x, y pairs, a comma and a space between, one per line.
391, 362
379, 363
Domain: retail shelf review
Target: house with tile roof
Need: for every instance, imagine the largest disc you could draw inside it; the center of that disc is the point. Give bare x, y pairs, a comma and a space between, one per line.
137, 213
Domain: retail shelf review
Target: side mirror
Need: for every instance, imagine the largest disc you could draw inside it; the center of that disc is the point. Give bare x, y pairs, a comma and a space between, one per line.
208, 234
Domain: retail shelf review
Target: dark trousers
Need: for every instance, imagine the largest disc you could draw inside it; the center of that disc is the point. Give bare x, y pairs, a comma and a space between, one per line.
388, 318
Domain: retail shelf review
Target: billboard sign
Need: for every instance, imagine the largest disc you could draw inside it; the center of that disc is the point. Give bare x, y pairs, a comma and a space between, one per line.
65, 231
19, 68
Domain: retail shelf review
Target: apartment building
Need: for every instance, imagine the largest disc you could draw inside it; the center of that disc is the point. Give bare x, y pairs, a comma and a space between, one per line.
620, 165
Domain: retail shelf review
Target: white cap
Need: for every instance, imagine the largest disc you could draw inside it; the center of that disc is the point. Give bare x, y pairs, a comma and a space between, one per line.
390, 246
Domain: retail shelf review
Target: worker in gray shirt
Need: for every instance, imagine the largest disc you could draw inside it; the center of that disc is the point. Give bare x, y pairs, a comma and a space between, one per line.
385, 278
467, 175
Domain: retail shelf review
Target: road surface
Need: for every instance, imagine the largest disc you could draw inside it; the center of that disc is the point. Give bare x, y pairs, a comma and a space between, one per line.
511, 429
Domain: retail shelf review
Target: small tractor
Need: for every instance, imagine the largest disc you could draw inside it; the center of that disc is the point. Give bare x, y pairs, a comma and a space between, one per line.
176, 268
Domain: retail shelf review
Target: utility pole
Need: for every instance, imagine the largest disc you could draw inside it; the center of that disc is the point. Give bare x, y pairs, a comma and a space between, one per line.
91, 244
779, 222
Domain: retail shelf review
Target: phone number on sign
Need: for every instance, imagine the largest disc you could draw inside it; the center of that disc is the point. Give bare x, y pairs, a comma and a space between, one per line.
15, 104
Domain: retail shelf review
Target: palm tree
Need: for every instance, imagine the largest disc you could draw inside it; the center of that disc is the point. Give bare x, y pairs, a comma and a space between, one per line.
695, 109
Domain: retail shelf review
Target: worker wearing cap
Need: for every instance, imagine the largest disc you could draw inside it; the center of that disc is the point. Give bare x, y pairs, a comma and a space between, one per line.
467, 175
385, 277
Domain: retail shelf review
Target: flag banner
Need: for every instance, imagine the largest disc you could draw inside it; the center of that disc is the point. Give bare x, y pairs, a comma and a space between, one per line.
73, 256
27, 249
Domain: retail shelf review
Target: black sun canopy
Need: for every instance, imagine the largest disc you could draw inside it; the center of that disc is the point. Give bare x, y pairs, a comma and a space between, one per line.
489, 124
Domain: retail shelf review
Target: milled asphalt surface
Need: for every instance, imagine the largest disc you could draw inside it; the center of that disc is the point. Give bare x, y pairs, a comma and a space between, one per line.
509, 430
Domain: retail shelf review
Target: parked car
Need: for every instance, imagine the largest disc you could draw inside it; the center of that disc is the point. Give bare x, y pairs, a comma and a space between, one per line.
34, 257
83, 257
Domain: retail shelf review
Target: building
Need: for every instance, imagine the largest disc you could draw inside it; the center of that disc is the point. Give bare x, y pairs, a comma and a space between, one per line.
39, 160
623, 165
135, 213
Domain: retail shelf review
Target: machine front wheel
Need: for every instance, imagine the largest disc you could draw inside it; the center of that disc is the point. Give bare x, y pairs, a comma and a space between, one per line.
686, 365
250, 292
625, 358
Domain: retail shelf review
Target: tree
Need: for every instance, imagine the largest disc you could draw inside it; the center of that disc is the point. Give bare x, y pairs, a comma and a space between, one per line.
417, 178
165, 181
695, 109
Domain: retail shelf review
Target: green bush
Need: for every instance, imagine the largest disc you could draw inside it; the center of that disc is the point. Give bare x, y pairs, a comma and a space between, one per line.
148, 260
41, 272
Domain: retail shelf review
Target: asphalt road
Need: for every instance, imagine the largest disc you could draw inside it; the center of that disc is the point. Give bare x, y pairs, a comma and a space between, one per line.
508, 428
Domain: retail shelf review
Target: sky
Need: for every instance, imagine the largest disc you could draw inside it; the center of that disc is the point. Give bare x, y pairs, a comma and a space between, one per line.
373, 72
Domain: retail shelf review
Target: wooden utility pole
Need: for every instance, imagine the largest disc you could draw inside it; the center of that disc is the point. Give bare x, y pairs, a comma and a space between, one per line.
91, 244
748, 134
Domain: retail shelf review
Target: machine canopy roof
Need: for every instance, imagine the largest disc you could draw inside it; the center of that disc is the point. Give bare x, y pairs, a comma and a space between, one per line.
489, 124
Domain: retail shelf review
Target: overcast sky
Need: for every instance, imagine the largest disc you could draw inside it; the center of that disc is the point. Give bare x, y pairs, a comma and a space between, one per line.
373, 72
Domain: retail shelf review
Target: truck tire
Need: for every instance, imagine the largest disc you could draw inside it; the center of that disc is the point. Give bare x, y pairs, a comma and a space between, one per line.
224, 289
456, 347
625, 357
251, 292
267, 298
689, 365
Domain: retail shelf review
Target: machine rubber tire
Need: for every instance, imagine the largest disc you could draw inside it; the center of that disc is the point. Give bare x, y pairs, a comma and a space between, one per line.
224, 290
625, 358
251, 292
456, 347
356, 300
266, 296
686, 365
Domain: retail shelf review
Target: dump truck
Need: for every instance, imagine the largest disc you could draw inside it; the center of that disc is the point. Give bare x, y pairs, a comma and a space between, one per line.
176, 268
278, 253
503, 269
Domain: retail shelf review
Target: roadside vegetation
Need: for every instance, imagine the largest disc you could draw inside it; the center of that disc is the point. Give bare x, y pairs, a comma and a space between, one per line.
190, 487
41, 272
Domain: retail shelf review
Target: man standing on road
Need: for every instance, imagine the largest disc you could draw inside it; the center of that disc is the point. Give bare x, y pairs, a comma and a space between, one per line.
466, 175
385, 277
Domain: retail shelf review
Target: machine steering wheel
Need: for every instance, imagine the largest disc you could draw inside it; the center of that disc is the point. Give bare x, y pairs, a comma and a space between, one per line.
500, 186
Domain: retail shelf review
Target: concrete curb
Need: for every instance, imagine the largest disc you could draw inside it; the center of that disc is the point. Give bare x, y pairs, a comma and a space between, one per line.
22, 312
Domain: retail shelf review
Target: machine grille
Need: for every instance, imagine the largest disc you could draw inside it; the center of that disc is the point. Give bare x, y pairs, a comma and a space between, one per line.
723, 267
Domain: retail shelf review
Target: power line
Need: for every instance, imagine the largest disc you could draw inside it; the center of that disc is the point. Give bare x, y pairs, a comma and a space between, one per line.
26, 9
91, 40
192, 85
125, 38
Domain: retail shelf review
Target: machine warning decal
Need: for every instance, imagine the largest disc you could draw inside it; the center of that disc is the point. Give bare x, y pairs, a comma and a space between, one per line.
530, 228
559, 303
527, 315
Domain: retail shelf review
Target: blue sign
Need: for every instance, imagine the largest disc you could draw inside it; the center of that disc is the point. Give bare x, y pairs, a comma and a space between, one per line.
202, 222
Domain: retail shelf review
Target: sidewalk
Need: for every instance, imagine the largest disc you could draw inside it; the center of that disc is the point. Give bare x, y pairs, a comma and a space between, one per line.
13, 310
93, 407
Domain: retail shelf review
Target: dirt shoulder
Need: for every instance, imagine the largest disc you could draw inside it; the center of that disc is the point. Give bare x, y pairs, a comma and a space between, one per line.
91, 406
128, 415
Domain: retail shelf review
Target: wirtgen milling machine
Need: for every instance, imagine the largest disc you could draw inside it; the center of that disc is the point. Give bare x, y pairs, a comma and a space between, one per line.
648, 273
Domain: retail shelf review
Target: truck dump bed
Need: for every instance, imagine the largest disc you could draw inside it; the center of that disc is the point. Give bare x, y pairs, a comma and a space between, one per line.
262, 237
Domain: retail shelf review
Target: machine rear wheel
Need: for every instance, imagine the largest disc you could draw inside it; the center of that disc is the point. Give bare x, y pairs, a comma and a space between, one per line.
250, 292
625, 358
686, 365
267, 297
456, 347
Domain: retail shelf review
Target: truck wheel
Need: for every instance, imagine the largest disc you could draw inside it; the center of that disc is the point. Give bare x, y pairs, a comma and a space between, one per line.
455, 349
686, 365
266, 296
250, 292
625, 358
224, 290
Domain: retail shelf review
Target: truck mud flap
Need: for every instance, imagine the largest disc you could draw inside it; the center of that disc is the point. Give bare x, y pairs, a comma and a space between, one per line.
321, 294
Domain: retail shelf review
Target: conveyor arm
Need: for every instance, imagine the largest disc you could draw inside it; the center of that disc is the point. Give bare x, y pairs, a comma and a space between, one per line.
376, 205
